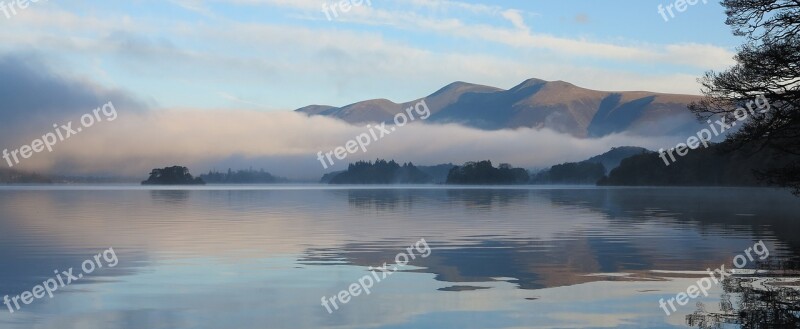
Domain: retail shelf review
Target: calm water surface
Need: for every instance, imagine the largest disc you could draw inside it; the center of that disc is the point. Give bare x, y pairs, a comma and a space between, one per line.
263, 257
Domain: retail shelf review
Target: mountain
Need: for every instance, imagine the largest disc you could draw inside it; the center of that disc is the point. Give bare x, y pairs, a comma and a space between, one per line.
587, 171
611, 159
535, 103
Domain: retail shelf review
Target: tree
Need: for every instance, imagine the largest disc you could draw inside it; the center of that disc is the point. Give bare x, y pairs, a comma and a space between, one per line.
381, 172
767, 66
175, 175
483, 173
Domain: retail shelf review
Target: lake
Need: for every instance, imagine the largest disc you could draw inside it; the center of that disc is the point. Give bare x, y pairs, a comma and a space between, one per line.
266, 256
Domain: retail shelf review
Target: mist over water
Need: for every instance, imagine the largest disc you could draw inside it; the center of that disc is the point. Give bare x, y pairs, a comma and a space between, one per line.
287, 144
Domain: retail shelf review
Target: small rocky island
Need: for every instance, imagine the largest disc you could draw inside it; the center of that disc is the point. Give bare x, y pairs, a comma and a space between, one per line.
175, 175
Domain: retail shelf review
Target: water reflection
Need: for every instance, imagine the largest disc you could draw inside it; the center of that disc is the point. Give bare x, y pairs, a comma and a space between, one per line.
578, 234
264, 256
172, 197
769, 300
381, 200
487, 199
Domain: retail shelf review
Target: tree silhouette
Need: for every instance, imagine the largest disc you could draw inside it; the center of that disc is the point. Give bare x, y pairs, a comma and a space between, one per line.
381, 172
765, 301
175, 175
768, 64
483, 173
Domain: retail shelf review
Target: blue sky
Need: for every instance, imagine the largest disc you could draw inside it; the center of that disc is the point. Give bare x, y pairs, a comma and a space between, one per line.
284, 54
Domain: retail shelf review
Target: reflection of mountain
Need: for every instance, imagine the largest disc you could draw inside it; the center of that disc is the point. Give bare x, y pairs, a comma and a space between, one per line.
635, 233
536, 103
531, 265
536, 237
705, 209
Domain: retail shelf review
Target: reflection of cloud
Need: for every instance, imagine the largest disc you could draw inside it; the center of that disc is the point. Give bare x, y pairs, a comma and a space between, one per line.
550, 242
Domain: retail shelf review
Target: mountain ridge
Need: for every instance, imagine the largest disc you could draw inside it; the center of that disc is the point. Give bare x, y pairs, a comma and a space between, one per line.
535, 103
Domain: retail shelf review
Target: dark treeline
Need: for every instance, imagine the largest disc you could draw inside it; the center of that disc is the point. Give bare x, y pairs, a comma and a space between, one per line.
571, 173
381, 172
589, 171
241, 177
11, 176
175, 175
483, 173
714, 166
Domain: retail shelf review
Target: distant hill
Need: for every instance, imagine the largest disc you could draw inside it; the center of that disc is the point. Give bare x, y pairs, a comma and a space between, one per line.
535, 103
12, 176
584, 173
437, 172
613, 158
588, 171
327, 178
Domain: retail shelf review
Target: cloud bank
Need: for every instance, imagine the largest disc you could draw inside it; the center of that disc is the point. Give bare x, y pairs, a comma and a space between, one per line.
285, 143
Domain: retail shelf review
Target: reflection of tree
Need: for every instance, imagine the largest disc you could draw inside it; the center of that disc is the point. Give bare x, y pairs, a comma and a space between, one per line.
765, 300
381, 200
170, 196
488, 198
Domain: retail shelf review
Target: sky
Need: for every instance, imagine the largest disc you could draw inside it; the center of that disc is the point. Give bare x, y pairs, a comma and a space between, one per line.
284, 54
212, 84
